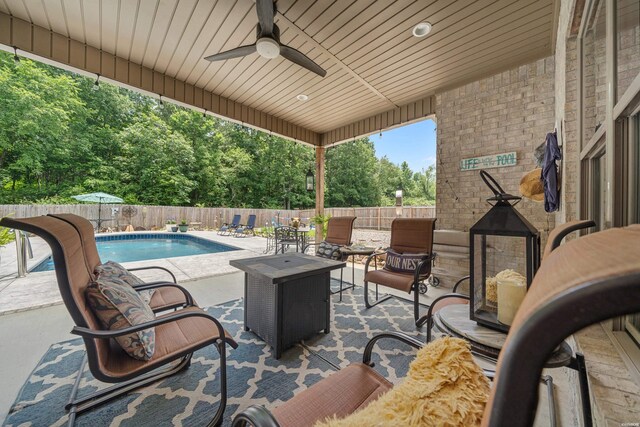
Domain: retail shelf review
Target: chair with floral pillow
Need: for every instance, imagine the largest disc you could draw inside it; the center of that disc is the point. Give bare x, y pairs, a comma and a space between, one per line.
111, 317
161, 295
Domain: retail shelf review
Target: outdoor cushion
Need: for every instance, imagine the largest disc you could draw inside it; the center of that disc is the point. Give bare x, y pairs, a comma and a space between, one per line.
329, 250
342, 393
119, 306
400, 281
444, 386
112, 270
405, 263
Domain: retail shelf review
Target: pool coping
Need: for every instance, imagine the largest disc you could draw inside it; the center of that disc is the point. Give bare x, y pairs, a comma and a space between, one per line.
161, 234
40, 289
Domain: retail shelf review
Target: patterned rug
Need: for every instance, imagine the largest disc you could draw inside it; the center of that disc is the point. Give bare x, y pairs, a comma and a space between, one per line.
190, 398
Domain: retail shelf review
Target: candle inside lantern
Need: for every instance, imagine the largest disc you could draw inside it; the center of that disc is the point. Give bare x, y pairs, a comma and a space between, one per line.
510, 295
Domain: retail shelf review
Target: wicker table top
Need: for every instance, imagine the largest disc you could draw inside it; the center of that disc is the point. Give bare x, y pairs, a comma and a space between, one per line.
288, 266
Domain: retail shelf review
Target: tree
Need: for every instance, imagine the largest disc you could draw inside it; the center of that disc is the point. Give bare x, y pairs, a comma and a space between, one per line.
389, 176
37, 109
351, 174
156, 163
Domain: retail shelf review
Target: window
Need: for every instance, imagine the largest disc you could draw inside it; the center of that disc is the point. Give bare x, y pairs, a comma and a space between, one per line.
628, 43
610, 151
594, 72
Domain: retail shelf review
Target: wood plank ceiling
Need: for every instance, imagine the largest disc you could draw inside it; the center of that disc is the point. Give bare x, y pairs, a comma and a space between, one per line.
373, 62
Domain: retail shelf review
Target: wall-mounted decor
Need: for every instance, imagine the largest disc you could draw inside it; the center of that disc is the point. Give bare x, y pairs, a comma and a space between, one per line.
491, 161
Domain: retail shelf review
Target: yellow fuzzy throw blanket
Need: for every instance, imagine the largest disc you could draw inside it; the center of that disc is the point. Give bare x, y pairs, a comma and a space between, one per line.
444, 387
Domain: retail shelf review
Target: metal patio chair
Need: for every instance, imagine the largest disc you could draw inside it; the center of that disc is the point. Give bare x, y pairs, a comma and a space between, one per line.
285, 237
339, 232
178, 334
166, 295
227, 228
245, 229
583, 282
408, 236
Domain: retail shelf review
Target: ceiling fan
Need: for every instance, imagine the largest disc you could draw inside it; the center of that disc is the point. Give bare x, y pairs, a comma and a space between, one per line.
268, 42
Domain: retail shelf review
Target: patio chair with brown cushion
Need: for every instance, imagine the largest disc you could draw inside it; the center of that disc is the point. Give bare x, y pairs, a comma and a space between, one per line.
459, 296
411, 238
339, 232
583, 282
177, 334
165, 296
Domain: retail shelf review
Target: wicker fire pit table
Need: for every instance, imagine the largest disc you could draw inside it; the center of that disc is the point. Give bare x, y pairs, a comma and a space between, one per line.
286, 297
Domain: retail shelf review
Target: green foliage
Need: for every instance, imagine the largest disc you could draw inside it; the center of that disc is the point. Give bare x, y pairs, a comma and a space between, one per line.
59, 137
6, 236
321, 222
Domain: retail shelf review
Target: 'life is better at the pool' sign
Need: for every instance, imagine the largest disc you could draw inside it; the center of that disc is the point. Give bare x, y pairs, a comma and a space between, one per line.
486, 162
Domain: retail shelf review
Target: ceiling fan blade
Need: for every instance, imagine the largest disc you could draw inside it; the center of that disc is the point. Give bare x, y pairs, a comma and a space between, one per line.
266, 13
301, 59
233, 53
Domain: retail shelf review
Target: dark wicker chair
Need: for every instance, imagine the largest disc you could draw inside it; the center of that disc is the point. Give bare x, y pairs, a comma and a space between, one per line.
178, 334
166, 295
408, 235
583, 282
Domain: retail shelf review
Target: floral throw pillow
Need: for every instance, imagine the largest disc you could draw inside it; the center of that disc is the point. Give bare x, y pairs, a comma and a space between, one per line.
117, 305
405, 263
112, 269
329, 250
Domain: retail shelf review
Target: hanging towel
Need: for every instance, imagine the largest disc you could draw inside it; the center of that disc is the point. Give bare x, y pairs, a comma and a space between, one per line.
549, 173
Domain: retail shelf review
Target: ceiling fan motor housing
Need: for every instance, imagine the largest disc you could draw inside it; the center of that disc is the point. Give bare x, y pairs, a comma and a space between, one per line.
268, 45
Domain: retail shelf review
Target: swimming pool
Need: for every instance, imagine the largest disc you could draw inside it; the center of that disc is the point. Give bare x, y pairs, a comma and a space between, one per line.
145, 246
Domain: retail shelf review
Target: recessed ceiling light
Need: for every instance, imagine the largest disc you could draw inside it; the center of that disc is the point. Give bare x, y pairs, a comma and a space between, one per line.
302, 97
422, 29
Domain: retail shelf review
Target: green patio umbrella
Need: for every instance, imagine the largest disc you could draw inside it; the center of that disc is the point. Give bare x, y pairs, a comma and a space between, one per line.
98, 198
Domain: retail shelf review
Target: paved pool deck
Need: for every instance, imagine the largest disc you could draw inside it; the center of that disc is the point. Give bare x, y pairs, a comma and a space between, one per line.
40, 289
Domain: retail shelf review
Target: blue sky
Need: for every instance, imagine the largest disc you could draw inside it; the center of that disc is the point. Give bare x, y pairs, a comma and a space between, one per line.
415, 144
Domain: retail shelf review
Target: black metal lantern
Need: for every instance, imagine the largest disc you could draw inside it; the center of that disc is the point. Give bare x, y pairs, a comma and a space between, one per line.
504, 257
310, 181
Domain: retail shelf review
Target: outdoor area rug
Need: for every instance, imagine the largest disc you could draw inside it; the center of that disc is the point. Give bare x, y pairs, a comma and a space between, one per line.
190, 397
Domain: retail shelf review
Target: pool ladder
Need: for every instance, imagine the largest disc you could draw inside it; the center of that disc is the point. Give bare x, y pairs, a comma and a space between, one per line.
23, 249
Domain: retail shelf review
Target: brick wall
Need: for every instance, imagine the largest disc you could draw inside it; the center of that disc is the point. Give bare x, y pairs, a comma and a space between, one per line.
511, 111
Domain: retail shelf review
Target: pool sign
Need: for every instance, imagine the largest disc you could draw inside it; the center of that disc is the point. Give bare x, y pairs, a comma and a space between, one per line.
486, 162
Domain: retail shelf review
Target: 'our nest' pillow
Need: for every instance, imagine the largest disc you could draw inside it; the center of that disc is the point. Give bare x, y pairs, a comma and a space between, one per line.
112, 270
444, 387
119, 306
405, 263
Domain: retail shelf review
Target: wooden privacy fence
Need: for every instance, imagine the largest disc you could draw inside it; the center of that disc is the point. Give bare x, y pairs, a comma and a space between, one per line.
151, 216
378, 218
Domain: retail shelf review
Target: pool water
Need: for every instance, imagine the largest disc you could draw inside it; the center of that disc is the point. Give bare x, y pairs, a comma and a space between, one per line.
141, 247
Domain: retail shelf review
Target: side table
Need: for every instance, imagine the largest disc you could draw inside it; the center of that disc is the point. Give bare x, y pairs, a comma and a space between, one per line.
286, 297
454, 320
351, 251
